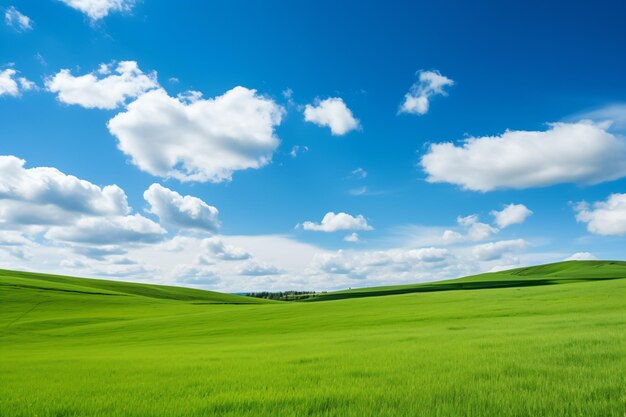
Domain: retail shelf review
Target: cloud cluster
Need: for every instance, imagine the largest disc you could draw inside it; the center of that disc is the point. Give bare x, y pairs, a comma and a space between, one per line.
108, 230
417, 100
68, 209
582, 153
186, 212
473, 230
98, 9
45, 192
195, 139
604, 217
10, 85
382, 265
495, 250
255, 268
333, 113
333, 222
215, 248
17, 20
106, 88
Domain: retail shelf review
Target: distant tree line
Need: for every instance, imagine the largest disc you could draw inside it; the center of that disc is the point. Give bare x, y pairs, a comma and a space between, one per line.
284, 295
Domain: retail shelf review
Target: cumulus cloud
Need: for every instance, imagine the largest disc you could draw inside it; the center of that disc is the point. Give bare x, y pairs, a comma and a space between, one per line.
98, 252
604, 217
352, 237
495, 250
581, 256
17, 20
382, 263
474, 230
215, 248
64, 208
511, 214
582, 153
332, 113
98, 9
417, 100
16, 245
106, 88
340, 221
11, 85
255, 268
44, 195
195, 139
108, 230
195, 275
186, 212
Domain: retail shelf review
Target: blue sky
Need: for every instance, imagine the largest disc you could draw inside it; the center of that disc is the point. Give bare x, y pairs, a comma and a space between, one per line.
483, 69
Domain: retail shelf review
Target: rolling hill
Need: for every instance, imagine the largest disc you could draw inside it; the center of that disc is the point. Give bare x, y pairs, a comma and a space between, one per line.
81, 347
549, 274
59, 283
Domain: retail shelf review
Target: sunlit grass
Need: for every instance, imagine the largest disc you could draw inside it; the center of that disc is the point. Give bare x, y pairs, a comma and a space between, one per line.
549, 350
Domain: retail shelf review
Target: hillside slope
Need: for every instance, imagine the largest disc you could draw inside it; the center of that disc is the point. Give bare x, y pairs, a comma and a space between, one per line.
549, 274
79, 348
58, 283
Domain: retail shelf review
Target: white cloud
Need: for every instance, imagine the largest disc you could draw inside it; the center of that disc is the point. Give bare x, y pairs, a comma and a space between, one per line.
83, 230
17, 20
255, 268
511, 214
11, 85
581, 153
383, 266
340, 221
195, 275
352, 237
63, 208
181, 212
332, 113
198, 139
109, 230
495, 250
604, 217
106, 88
98, 9
44, 195
417, 100
474, 230
214, 247
581, 256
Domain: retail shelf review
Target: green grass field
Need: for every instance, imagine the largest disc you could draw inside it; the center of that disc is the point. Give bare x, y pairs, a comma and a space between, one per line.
555, 346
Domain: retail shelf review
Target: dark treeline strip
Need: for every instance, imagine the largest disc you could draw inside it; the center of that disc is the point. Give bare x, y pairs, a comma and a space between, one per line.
285, 295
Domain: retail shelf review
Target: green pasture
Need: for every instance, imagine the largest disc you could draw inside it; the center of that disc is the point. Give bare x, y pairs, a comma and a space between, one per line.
542, 341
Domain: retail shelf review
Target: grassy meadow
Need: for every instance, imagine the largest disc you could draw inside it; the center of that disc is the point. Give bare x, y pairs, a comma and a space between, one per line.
553, 347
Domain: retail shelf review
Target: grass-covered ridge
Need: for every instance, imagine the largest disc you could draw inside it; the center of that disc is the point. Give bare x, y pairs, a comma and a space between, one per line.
544, 350
59, 283
549, 274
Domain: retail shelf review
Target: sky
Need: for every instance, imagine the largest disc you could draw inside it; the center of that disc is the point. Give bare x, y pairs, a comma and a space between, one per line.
242, 146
